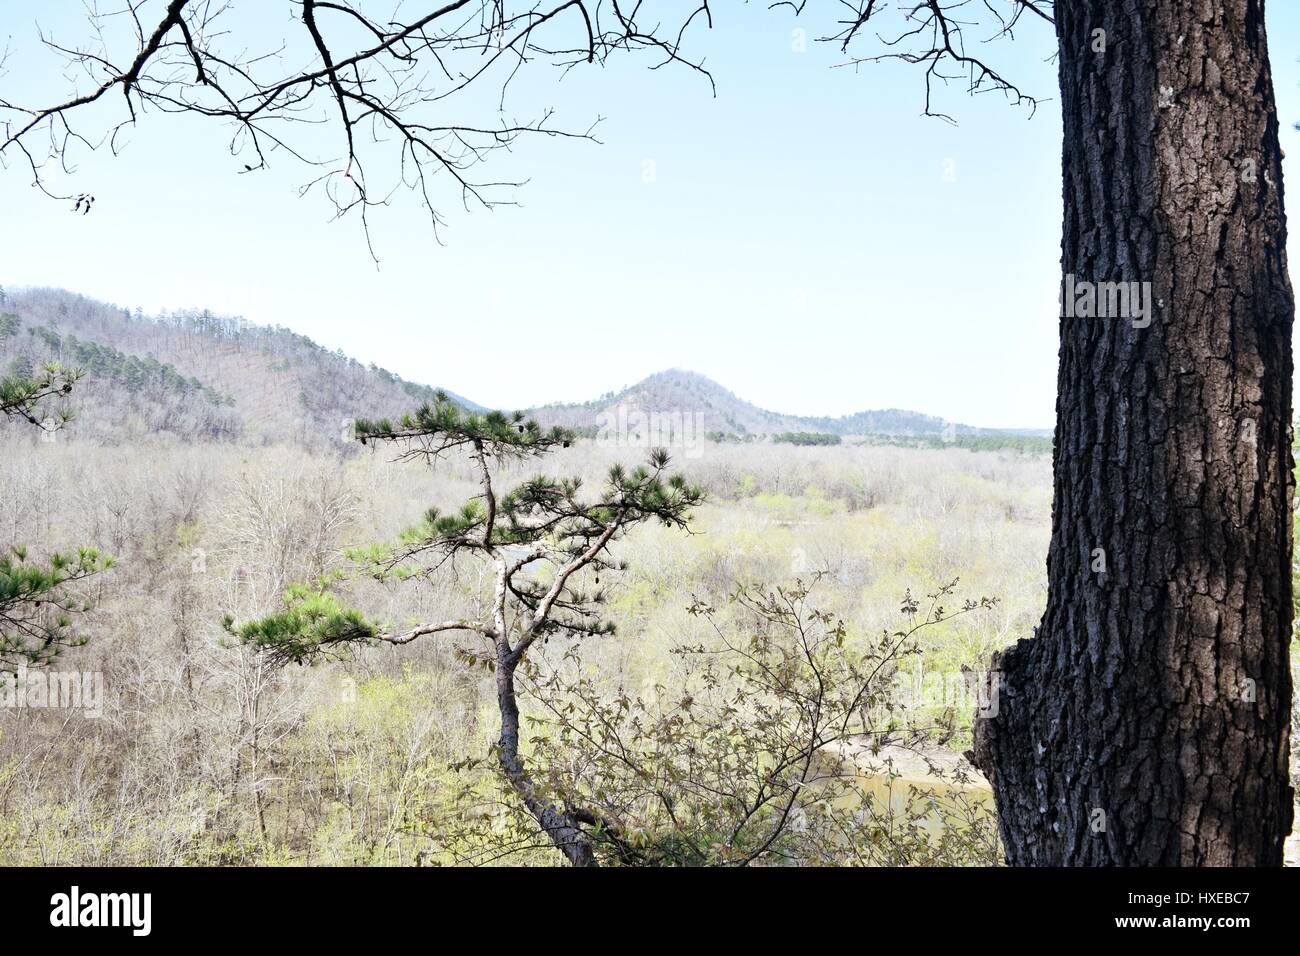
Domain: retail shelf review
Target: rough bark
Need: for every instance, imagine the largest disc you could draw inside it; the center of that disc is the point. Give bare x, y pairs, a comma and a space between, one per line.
1147, 722
560, 826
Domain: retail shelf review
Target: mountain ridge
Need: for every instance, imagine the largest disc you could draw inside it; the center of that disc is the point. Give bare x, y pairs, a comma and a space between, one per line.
194, 374
687, 392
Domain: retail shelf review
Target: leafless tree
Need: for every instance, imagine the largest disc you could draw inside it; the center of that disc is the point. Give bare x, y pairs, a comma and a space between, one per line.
426, 94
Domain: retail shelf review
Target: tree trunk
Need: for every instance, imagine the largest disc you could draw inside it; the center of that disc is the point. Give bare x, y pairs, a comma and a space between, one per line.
560, 826
1147, 722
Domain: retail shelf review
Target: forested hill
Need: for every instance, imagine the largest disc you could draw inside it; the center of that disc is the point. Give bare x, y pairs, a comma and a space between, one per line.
195, 375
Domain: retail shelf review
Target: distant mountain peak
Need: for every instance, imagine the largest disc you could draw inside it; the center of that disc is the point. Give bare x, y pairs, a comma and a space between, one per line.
682, 391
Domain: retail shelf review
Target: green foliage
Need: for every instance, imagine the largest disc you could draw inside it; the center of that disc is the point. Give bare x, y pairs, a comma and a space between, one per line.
981, 441
1024, 444
9, 325
37, 601
447, 425
806, 438
130, 372
390, 768
782, 743
637, 494
312, 622
730, 438
21, 395
544, 518
547, 514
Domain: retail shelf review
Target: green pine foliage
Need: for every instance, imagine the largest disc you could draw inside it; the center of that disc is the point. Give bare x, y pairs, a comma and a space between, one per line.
538, 541
9, 325
24, 394
806, 438
313, 621
445, 420
131, 372
38, 601
970, 441
553, 518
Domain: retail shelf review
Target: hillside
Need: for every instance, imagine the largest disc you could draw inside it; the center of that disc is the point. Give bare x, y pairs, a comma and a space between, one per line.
195, 375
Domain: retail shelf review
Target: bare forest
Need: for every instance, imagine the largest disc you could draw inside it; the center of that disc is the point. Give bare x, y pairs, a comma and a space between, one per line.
205, 749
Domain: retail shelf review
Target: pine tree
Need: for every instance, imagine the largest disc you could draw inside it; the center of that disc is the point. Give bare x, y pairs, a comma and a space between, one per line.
39, 599
541, 540
9, 324
25, 396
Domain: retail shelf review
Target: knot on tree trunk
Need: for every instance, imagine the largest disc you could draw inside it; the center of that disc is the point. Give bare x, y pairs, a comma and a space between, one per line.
1003, 748
998, 690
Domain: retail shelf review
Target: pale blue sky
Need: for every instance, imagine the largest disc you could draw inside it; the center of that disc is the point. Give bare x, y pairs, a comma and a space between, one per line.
799, 243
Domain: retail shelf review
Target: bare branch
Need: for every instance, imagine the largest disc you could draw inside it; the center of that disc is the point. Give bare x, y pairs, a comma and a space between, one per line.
394, 96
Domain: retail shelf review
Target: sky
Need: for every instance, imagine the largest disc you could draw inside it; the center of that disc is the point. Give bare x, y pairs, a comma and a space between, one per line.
805, 237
